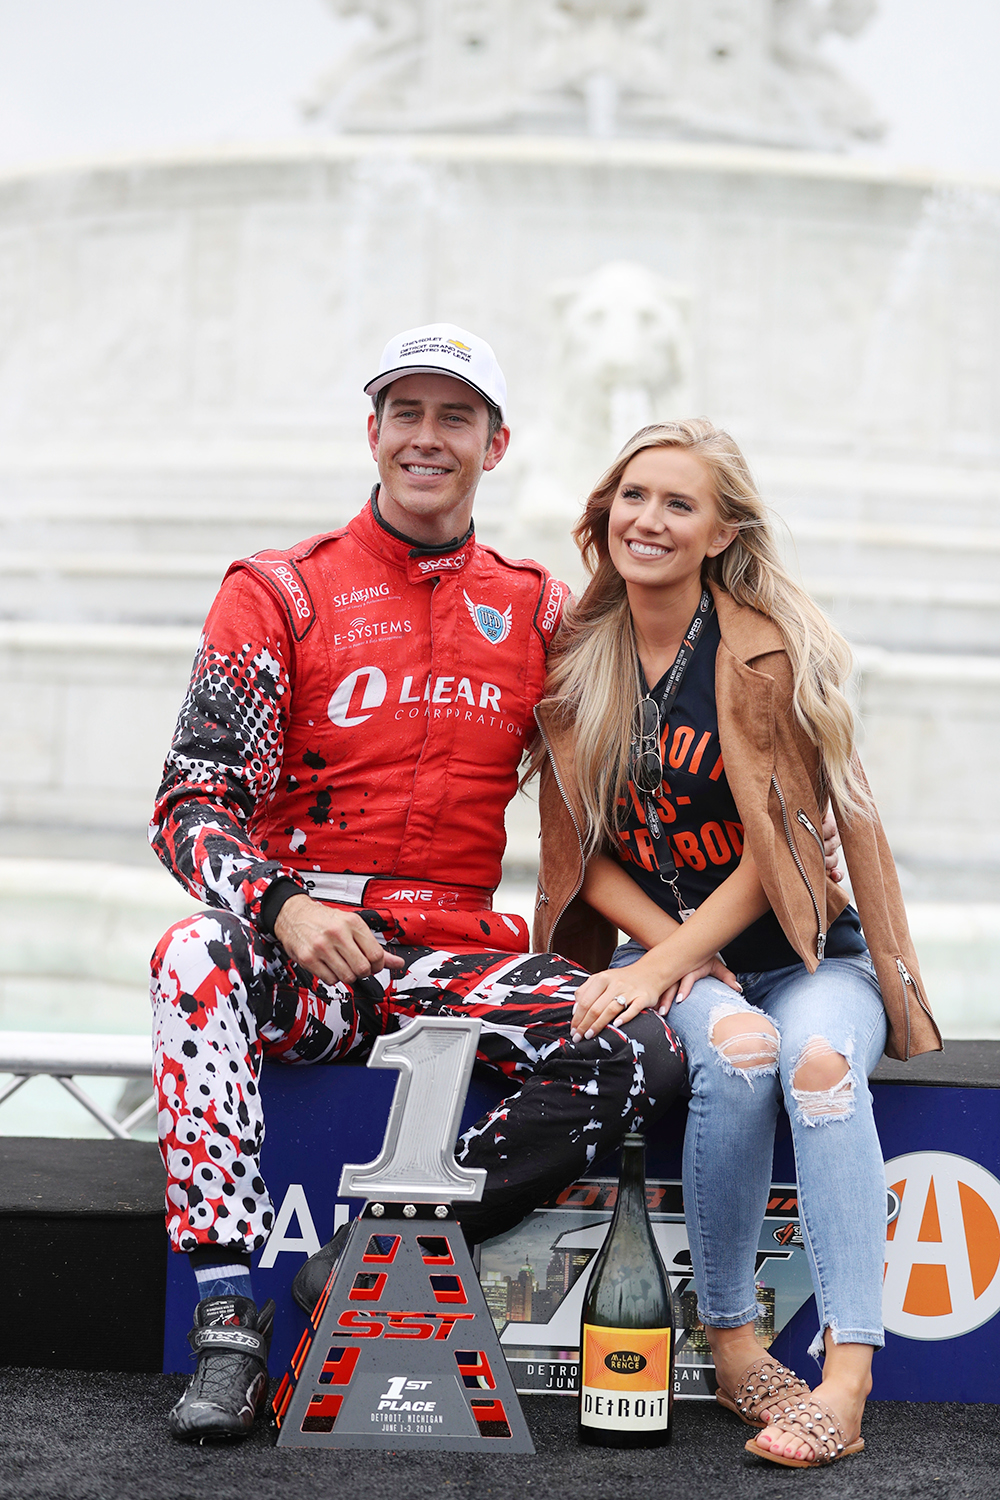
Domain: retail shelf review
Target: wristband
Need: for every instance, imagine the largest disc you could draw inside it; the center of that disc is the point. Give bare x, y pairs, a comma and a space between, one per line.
274, 898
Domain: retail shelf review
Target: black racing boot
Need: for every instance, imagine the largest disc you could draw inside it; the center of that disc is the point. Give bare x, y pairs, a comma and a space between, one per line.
311, 1278
231, 1338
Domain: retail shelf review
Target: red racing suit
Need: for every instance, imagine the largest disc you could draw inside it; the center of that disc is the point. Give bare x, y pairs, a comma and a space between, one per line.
358, 709
356, 715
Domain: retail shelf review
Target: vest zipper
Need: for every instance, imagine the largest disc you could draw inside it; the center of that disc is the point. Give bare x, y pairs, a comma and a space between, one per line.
820, 934
908, 979
806, 822
908, 983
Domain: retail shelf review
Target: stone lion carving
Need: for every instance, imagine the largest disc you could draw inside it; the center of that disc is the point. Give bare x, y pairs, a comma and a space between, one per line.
620, 359
623, 343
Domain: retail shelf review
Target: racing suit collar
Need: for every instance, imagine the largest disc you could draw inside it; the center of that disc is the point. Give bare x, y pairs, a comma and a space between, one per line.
422, 549
419, 560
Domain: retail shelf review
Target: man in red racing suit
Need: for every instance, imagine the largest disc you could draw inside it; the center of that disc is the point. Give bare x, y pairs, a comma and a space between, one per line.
335, 794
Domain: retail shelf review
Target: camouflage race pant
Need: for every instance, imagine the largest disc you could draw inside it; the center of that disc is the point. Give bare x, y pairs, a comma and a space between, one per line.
224, 997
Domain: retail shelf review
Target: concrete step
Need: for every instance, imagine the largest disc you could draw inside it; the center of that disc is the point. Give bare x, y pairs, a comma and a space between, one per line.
193, 528
90, 711
930, 741
904, 614
232, 499
858, 487
873, 551
71, 930
128, 588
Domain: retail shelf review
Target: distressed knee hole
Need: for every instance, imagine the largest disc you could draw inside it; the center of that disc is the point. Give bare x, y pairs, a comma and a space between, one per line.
746, 1041
822, 1085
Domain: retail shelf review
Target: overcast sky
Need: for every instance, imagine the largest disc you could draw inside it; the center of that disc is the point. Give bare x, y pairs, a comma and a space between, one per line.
82, 77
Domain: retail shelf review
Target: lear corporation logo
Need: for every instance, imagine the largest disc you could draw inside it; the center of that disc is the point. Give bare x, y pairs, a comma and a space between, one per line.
374, 687
489, 621
942, 1252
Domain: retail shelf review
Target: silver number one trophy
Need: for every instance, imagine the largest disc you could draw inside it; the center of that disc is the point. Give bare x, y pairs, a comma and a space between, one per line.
401, 1351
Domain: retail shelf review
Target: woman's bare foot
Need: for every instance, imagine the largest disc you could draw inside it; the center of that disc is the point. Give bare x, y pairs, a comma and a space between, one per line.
734, 1350
846, 1383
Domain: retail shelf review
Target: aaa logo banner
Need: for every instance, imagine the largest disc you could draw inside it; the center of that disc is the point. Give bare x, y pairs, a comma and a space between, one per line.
942, 1254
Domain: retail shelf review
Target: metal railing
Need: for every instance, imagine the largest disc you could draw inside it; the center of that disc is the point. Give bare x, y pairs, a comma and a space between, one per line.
65, 1055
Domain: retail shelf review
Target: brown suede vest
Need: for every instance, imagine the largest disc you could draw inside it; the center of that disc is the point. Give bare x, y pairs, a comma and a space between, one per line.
773, 771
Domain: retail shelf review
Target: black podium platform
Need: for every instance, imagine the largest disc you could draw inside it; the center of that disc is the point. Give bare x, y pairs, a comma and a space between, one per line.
962, 1065
82, 1254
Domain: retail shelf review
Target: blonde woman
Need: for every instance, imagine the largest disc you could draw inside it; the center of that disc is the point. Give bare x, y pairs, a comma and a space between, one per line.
694, 731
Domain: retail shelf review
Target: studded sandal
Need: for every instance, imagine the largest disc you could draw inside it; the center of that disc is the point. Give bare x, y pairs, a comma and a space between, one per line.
816, 1425
762, 1386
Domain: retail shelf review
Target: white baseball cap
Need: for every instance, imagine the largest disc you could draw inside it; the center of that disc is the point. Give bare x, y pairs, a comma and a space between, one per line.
443, 349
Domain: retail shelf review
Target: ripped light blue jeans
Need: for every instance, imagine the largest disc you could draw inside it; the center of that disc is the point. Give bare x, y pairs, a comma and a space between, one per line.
730, 1135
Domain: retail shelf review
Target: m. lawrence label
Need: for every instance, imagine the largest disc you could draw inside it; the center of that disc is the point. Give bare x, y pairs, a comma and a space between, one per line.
625, 1378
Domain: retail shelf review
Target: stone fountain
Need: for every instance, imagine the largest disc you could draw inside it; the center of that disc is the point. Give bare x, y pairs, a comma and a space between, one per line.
648, 208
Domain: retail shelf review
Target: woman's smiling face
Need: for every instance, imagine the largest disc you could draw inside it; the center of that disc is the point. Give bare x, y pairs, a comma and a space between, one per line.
664, 520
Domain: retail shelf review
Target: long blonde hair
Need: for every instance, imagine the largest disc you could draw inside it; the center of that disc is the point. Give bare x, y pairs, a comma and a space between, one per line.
593, 671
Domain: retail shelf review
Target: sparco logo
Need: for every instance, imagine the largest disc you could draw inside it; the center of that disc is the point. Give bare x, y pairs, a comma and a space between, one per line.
443, 564
293, 588
552, 604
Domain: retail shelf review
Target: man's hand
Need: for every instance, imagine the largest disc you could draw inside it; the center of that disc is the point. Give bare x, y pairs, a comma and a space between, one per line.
336, 946
831, 845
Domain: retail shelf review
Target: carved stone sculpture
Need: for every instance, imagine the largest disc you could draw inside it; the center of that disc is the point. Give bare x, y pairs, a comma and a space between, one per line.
376, 63
827, 103
745, 70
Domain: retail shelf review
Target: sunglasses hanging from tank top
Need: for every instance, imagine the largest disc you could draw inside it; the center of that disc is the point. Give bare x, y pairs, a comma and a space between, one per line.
645, 755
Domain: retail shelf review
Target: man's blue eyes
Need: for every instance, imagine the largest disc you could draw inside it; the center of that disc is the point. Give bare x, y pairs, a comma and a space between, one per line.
449, 416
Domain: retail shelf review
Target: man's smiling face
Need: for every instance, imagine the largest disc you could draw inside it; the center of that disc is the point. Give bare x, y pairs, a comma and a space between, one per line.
432, 449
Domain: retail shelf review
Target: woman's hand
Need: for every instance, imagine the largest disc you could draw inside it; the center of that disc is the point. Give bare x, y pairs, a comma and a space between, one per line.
712, 968
599, 1001
613, 997
831, 846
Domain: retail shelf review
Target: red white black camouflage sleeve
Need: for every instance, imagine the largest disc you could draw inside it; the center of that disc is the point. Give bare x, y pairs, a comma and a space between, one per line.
226, 756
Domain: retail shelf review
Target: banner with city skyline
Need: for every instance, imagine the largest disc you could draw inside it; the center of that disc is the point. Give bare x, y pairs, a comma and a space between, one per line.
534, 1278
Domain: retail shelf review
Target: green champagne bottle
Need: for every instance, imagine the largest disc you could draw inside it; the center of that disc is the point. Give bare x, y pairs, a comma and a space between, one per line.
627, 1338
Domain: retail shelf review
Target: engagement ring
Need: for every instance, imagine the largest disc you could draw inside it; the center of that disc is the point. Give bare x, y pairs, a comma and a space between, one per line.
619, 1000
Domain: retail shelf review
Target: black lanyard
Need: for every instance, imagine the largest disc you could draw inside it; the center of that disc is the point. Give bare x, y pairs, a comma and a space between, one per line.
666, 865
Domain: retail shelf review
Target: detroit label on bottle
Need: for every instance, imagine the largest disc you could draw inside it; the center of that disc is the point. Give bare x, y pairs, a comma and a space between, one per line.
625, 1378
